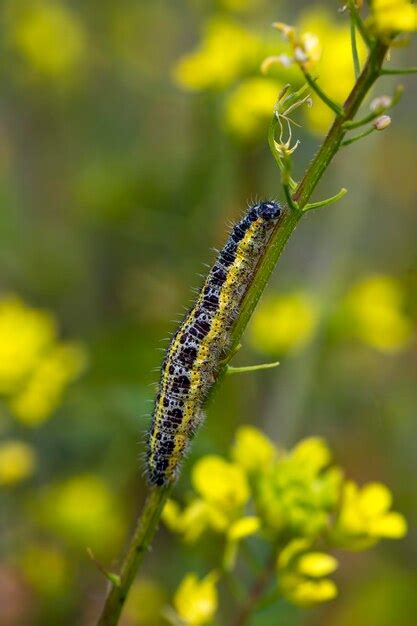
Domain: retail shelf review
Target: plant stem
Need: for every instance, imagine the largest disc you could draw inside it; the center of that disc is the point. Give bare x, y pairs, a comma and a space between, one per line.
144, 532
152, 510
255, 593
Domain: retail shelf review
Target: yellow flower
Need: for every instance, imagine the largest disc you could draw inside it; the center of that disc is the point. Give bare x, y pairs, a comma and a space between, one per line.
25, 333
225, 52
389, 16
195, 600
17, 462
284, 323
375, 307
145, 603
252, 450
83, 511
304, 592
249, 107
42, 393
312, 453
316, 564
244, 527
301, 573
195, 519
220, 482
50, 38
364, 516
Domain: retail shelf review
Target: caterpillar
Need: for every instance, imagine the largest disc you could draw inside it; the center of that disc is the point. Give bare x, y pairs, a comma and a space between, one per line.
194, 355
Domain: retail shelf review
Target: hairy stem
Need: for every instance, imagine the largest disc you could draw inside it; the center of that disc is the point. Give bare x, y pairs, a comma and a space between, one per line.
144, 532
152, 510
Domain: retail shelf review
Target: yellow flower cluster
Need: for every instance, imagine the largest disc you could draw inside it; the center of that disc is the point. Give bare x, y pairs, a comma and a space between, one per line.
296, 496
283, 323
49, 37
374, 309
391, 16
35, 368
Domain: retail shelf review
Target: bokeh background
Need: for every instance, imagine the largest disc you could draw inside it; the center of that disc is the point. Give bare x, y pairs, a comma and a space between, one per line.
131, 133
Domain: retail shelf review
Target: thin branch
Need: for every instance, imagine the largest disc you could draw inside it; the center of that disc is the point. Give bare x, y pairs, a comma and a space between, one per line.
250, 368
321, 94
365, 133
359, 24
354, 45
399, 70
316, 205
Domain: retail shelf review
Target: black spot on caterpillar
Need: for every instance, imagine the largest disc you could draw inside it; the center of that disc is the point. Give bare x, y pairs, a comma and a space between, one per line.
196, 349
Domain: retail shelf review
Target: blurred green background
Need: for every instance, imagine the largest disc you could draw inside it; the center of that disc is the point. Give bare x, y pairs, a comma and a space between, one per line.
131, 133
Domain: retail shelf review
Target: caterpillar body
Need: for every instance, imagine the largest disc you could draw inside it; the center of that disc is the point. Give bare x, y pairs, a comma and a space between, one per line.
195, 352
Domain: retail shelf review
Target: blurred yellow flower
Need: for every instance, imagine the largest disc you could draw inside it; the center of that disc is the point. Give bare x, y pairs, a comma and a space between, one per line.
42, 393
198, 516
283, 323
312, 453
84, 511
304, 592
220, 482
316, 564
17, 462
24, 335
364, 516
145, 603
389, 16
46, 570
252, 450
301, 573
374, 306
224, 53
249, 107
243, 527
195, 600
50, 38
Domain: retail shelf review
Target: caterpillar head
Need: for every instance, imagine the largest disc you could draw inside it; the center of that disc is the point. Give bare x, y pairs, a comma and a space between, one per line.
269, 210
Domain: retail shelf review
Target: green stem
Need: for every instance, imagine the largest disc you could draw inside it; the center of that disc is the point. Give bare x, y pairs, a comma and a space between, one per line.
250, 368
359, 24
152, 510
145, 530
395, 71
319, 91
365, 133
355, 55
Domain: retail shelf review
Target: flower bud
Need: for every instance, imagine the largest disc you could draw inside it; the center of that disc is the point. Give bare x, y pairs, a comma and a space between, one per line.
381, 103
382, 122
